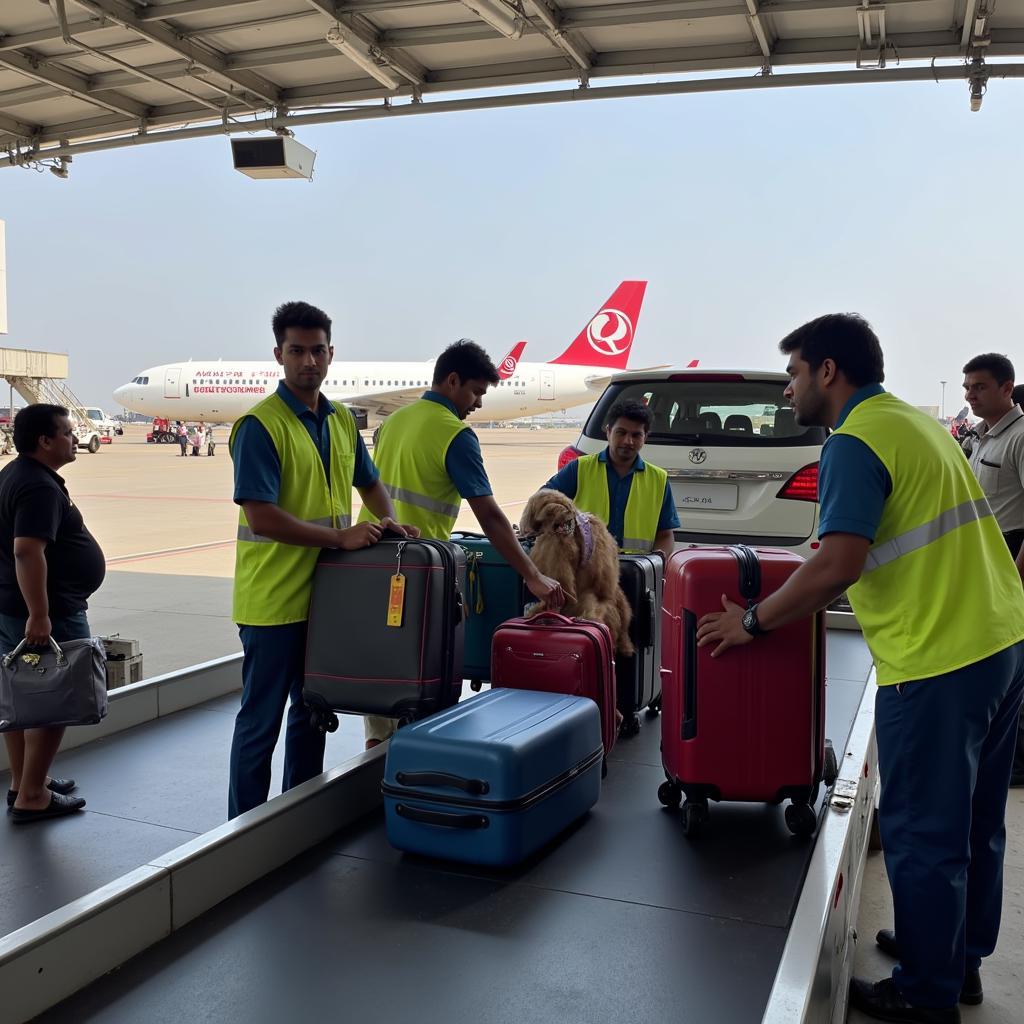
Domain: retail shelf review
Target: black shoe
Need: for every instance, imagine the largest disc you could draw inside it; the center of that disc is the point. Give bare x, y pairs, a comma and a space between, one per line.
882, 1000
62, 786
59, 805
971, 994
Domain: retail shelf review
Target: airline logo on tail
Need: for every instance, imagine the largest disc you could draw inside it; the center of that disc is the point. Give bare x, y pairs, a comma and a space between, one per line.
508, 365
608, 337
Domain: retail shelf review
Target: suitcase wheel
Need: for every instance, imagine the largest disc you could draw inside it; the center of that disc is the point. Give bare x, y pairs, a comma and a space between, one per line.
831, 771
670, 795
695, 817
475, 684
801, 820
630, 726
323, 721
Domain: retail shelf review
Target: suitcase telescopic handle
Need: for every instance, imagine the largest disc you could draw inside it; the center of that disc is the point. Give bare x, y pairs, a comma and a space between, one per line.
475, 787
446, 819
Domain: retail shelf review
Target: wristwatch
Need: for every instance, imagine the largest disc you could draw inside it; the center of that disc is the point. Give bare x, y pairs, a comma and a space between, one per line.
750, 623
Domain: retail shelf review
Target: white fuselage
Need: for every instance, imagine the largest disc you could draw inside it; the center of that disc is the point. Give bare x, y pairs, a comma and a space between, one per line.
224, 391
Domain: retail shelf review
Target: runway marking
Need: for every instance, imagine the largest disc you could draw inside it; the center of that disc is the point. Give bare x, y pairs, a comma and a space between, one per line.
141, 556
156, 497
165, 552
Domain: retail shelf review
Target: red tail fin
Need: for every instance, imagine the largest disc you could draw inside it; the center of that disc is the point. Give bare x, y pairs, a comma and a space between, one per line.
607, 339
508, 365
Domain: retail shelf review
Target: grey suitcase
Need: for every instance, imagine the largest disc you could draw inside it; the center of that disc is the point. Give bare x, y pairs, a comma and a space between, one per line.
356, 662
638, 677
63, 684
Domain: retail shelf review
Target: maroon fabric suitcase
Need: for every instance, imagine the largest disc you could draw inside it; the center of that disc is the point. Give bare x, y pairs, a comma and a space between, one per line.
556, 654
748, 725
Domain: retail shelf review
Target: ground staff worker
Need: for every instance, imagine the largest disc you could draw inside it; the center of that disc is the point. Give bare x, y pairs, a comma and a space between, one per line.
997, 458
297, 457
632, 496
901, 517
429, 460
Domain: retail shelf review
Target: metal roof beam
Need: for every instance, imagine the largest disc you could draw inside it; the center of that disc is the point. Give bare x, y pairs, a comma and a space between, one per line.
40, 69
161, 12
760, 33
958, 72
369, 34
551, 18
198, 54
19, 129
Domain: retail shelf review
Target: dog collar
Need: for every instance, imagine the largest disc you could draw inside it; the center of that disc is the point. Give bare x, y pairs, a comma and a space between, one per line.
583, 522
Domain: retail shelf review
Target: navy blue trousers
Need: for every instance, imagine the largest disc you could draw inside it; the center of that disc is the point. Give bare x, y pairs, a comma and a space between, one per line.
272, 665
945, 747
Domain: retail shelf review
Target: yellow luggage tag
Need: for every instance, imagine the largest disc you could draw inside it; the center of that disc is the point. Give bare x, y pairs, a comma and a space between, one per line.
396, 597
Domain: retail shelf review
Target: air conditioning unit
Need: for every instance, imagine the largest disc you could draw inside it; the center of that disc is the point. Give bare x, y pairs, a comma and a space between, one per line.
277, 157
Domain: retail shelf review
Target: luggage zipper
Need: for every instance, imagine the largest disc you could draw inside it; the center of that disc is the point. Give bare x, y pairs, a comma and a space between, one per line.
526, 801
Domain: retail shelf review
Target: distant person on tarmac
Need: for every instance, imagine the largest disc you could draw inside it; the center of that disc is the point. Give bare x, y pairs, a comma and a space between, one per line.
430, 460
906, 530
181, 432
631, 496
997, 458
211, 444
50, 565
294, 498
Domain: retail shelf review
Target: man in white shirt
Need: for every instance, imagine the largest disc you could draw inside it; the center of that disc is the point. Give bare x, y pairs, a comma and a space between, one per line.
997, 458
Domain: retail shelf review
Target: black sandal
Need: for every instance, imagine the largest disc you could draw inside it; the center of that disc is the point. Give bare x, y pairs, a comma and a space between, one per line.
59, 805
63, 786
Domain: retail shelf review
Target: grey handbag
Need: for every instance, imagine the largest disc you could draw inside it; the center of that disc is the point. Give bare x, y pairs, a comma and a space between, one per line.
65, 684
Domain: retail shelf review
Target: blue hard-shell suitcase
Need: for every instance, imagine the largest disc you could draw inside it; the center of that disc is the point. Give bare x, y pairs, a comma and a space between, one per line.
494, 778
494, 593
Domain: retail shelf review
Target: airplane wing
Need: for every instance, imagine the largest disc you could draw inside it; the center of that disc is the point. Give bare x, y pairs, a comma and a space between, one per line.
383, 403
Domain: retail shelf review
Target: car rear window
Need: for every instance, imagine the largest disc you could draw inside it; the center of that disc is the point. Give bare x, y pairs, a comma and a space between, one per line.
726, 413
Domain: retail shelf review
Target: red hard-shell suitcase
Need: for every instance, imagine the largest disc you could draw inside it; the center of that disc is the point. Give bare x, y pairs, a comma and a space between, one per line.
750, 724
557, 654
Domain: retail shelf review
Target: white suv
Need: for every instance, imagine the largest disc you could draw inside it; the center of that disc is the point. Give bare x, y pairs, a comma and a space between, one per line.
740, 467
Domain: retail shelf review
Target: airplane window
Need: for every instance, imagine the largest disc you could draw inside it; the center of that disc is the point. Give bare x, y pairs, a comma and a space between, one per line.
145, 380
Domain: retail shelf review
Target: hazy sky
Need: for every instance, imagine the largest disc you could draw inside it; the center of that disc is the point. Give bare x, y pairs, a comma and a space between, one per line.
748, 214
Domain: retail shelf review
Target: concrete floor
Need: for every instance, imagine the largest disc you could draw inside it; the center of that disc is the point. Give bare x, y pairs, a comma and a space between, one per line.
1000, 973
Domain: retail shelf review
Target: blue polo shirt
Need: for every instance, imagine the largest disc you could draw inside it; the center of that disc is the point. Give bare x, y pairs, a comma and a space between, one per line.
567, 480
258, 467
853, 483
463, 462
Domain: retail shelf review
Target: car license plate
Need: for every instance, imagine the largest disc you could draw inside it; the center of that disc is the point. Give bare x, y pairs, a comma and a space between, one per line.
723, 497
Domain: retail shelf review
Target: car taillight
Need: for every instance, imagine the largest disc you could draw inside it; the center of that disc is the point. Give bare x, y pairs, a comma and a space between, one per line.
566, 455
802, 485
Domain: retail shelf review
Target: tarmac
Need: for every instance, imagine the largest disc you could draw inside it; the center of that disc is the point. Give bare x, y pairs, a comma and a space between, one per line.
167, 524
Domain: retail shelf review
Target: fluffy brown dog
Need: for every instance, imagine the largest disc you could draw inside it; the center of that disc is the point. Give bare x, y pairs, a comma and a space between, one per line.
576, 549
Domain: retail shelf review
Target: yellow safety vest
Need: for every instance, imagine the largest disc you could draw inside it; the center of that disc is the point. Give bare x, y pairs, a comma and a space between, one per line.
939, 590
273, 581
643, 507
410, 453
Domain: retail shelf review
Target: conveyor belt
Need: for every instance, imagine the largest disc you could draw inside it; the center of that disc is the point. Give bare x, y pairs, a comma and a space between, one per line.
623, 919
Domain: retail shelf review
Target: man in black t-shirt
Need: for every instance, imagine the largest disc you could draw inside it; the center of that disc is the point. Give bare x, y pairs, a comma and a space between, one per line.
49, 567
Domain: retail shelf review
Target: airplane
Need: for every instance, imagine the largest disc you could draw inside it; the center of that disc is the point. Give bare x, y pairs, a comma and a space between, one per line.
222, 392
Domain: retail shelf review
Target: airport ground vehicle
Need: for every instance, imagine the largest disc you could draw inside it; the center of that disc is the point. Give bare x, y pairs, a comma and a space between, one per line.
103, 421
740, 466
161, 433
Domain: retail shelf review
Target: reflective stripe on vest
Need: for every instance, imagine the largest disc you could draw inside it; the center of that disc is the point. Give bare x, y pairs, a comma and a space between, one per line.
939, 590
274, 581
643, 506
421, 501
410, 454
245, 531
927, 533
